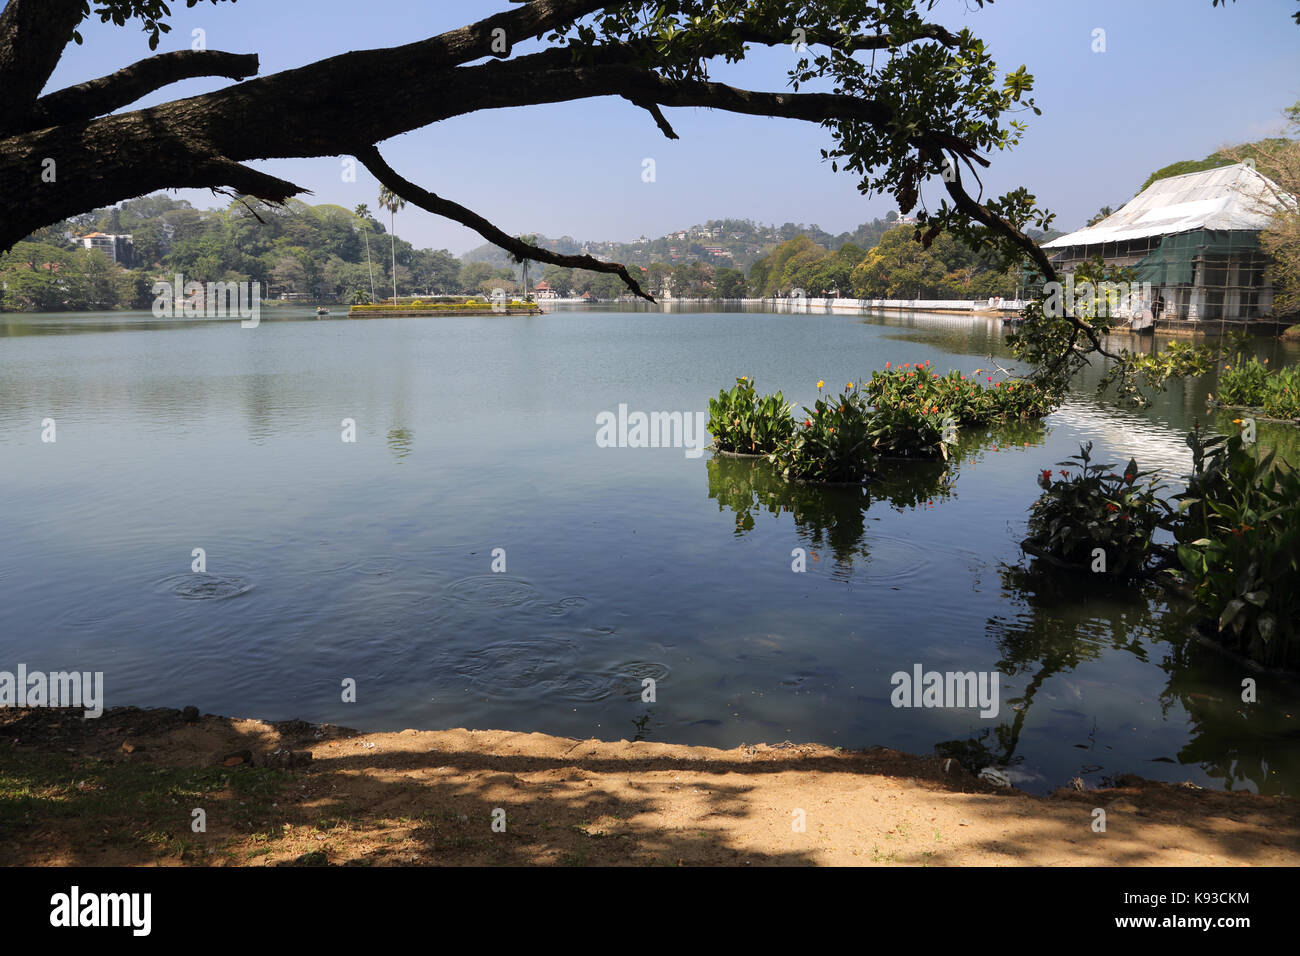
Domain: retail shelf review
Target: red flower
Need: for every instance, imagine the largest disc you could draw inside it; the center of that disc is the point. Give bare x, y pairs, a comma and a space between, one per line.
1111, 508
886, 365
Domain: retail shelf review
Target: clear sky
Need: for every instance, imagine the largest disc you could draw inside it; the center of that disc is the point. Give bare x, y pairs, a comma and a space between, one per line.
1178, 79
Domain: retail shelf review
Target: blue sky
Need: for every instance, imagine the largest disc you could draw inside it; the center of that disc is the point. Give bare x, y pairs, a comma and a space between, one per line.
1178, 79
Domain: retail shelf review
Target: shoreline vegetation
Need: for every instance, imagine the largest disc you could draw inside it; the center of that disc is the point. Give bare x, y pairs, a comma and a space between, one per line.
121, 790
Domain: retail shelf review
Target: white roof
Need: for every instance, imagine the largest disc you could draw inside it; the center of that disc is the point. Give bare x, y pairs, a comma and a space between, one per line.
1228, 197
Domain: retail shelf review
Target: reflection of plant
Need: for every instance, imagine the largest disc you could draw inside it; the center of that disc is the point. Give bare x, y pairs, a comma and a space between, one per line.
1095, 508
1239, 542
831, 517
741, 421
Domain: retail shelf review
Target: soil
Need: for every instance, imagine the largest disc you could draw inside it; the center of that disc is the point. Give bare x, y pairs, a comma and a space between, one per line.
122, 790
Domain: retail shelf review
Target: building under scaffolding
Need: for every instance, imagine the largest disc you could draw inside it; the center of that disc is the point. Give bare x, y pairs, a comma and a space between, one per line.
1194, 238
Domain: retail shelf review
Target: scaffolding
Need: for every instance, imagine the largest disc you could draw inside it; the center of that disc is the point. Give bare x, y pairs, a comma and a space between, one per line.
1194, 239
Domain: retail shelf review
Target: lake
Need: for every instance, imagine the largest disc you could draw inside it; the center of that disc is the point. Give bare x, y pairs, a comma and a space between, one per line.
372, 560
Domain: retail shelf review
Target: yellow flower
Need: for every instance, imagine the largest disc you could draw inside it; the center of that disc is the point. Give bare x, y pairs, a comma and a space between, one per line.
849, 386
821, 382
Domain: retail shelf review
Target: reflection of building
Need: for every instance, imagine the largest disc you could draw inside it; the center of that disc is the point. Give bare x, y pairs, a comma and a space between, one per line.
1194, 237
121, 249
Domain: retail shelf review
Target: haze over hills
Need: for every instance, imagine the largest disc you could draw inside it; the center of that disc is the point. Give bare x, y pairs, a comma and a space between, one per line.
734, 243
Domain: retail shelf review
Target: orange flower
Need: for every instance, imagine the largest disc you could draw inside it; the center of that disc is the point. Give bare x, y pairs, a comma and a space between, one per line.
821, 382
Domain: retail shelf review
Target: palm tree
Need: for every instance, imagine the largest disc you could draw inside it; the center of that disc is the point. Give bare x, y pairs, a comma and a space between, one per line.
393, 203
363, 213
525, 262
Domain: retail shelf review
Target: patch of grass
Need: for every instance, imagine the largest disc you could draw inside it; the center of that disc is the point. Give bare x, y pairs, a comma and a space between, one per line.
128, 803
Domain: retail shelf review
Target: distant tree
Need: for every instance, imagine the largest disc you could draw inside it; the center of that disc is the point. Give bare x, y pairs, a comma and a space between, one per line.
393, 203
1103, 213
363, 213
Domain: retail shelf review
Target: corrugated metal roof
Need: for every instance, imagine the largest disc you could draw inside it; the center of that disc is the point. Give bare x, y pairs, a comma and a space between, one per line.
1224, 198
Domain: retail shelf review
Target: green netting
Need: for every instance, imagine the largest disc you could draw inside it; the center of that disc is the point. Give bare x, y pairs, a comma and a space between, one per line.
1174, 262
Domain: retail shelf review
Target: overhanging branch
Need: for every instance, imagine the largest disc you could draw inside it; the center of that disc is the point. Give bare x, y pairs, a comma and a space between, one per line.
98, 97
454, 211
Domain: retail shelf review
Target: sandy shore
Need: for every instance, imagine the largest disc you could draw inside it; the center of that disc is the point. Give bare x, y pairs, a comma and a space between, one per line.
122, 790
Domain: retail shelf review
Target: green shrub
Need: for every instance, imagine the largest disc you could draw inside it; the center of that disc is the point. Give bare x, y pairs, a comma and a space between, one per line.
919, 388
1243, 382
832, 443
1283, 396
1239, 543
742, 421
1095, 508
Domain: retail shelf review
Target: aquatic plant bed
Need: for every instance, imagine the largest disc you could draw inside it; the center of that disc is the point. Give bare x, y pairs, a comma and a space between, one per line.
1254, 411
364, 312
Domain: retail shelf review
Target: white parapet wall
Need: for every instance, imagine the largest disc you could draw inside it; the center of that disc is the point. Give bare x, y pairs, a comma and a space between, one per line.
901, 305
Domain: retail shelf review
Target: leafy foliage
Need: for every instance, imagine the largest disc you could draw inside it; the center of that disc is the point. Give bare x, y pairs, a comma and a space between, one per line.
742, 421
1090, 507
149, 12
1239, 542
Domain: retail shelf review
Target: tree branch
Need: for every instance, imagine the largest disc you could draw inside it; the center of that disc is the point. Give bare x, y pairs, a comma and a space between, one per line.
660, 120
454, 211
98, 97
33, 34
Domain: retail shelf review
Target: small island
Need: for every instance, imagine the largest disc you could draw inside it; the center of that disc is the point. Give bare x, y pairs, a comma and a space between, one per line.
441, 307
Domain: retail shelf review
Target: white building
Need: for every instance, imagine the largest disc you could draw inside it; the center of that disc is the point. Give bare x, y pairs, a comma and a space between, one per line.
1194, 237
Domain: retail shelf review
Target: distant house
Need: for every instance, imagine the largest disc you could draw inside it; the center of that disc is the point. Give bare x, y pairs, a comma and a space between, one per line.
543, 290
1194, 237
121, 249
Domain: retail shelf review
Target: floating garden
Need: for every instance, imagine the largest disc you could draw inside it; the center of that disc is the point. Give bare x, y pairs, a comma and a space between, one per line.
1228, 544
419, 308
1249, 385
907, 413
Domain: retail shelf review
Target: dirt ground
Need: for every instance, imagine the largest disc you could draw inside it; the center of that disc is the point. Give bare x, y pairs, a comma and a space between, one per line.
122, 790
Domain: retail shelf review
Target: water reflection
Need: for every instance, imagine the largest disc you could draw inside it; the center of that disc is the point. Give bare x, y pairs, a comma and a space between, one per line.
1255, 743
1048, 639
400, 441
827, 517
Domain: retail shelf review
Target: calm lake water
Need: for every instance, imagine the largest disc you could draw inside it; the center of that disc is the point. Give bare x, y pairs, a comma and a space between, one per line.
372, 560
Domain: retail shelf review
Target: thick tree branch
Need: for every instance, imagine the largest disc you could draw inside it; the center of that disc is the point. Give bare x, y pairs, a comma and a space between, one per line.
98, 97
454, 211
33, 34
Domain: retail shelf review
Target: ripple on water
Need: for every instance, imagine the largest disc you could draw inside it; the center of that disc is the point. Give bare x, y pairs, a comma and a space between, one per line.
544, 668
565, 605
894, 559
197, 586
492, 590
